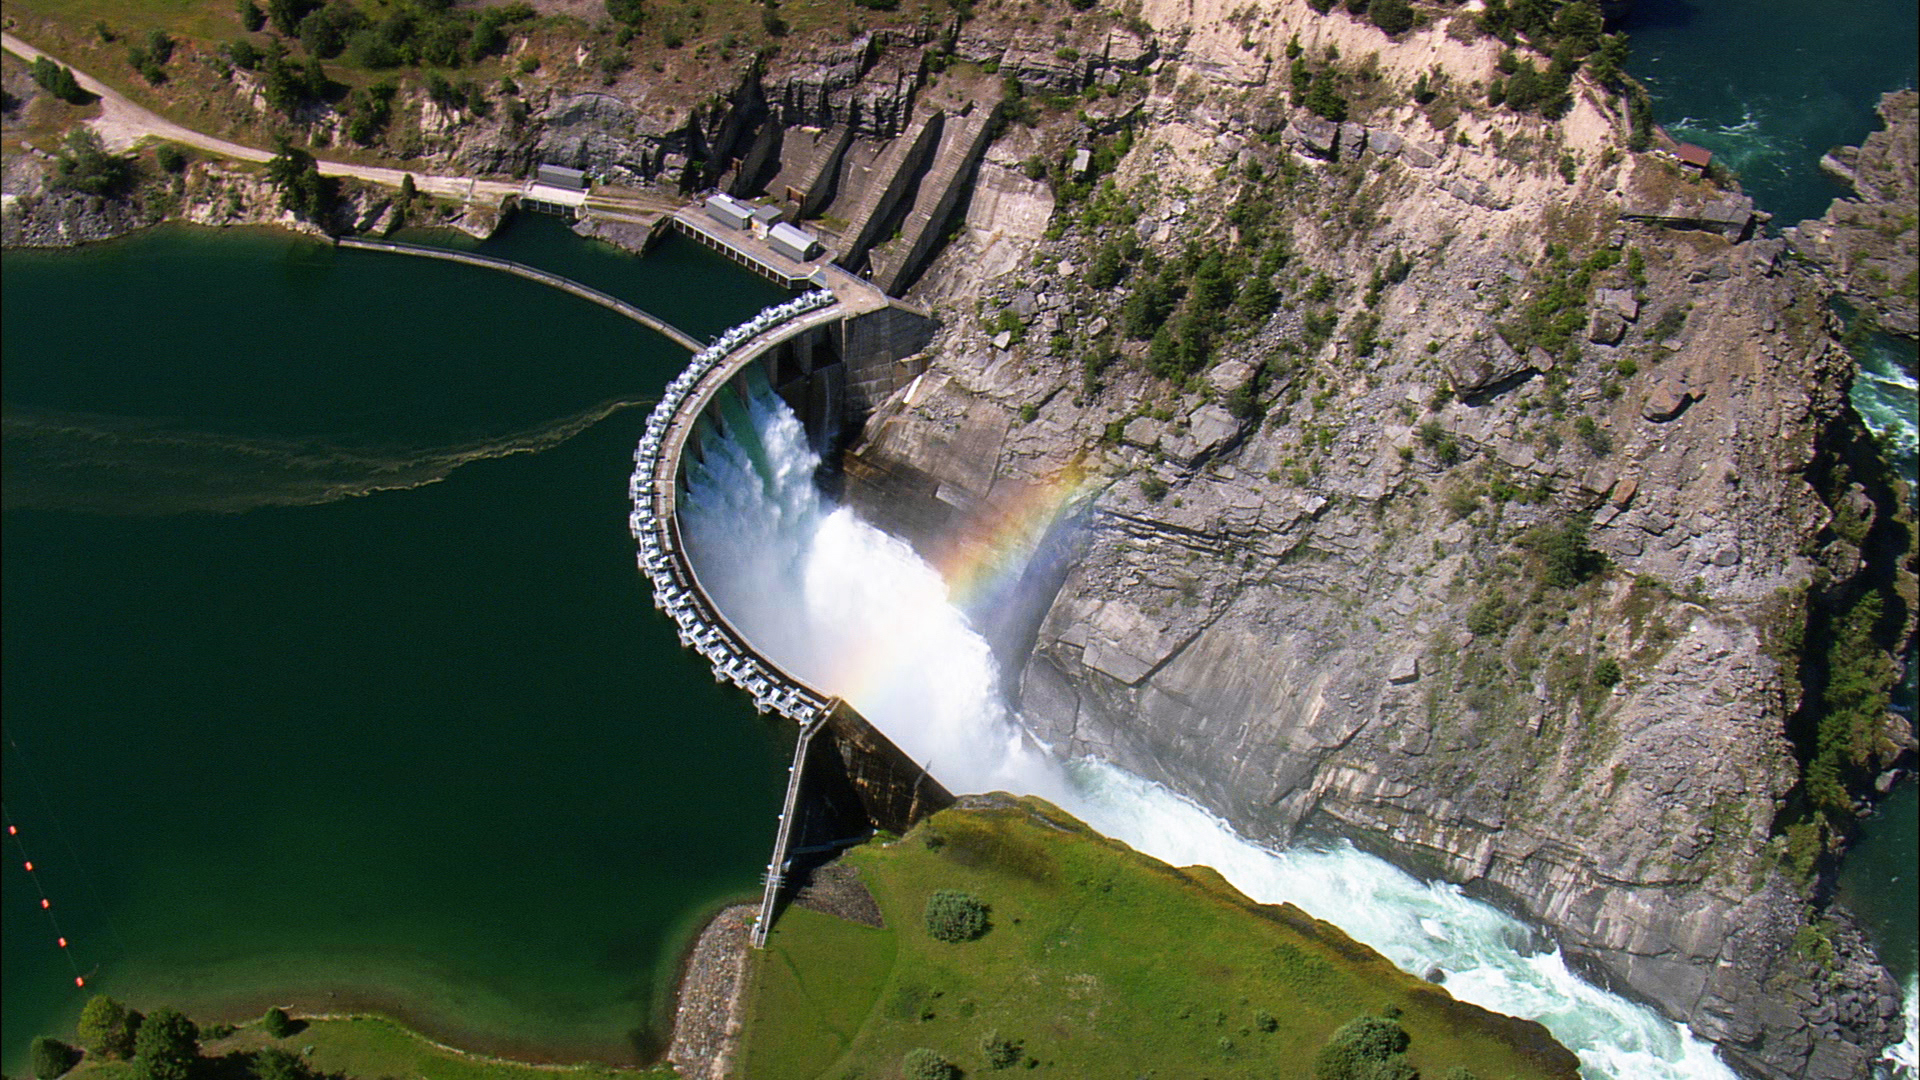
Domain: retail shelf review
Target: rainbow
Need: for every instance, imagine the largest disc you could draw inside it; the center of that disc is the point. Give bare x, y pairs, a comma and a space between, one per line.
989, 558
931, 613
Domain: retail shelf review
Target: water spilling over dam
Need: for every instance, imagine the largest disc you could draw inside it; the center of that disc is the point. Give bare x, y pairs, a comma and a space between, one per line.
854, 613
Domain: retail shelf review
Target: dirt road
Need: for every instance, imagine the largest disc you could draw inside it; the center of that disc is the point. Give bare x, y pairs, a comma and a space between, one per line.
122, 123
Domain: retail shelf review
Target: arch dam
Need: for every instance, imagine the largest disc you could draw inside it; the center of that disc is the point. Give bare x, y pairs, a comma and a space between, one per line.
833, 355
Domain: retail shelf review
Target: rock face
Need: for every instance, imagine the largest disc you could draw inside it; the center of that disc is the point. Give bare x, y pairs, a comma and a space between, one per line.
1870, 243
1334, 619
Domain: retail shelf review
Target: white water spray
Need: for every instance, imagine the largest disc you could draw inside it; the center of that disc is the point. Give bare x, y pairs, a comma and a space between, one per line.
857, 613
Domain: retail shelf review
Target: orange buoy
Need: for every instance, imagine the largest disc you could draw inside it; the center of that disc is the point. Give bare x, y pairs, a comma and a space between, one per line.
45, 904
79, 980
13, 830
63, 943
29, 867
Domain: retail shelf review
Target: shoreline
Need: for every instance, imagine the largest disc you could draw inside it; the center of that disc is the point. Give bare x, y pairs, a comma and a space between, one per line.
693, 996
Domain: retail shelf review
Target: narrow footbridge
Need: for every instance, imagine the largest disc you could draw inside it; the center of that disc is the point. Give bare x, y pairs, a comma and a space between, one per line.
585, 292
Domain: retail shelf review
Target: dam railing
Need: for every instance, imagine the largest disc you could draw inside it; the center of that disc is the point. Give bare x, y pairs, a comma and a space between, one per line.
568, 285
654, 521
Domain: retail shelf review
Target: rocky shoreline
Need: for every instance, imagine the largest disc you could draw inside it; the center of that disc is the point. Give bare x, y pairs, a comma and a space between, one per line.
1869, 245
708, 1017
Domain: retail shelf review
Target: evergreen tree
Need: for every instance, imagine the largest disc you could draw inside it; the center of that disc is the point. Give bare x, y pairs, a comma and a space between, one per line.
58, 81
166, 1046
302, 189
1324, 100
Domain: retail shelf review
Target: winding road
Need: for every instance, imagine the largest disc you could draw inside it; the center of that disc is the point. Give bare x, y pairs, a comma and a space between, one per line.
122, 123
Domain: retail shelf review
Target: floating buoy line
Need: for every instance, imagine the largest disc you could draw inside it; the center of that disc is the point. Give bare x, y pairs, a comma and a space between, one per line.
46, 902
17, 839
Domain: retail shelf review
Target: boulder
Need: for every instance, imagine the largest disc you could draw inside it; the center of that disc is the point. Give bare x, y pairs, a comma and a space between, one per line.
1419, 155
1353, 141
1607, 328
1319, 137
1404, 670
1621, 302
1665, 402
1143, 431
1479, 365
1230, 375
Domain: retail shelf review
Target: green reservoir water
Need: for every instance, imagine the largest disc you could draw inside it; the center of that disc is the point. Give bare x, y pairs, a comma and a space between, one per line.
429, 750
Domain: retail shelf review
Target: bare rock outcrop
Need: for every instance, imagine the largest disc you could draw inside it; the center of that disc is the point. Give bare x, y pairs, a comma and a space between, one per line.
1871, 243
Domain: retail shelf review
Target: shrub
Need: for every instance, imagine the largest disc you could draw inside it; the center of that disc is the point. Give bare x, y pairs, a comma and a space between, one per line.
1365, 1048
1488, 617
273, 1063
1392, 16
1596, 440
51, 1057
171, 157
107, 1027
1670, 323
150, 59
1440, 441
924, 1064
1568, 559
1266, 1021
251, 17
1606, 673
1001, 1053
1153, 488
277, 1023
954, 916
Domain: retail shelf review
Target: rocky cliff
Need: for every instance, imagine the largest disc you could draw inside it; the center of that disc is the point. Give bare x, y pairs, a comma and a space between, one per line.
1479, 550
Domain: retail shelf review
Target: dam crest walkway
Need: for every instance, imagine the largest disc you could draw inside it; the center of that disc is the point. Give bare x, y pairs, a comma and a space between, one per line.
568, 285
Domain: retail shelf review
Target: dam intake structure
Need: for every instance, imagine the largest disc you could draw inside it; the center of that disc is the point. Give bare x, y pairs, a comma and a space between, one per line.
847, 777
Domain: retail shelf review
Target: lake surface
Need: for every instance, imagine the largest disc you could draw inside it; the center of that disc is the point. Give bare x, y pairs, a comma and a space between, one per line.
430, 750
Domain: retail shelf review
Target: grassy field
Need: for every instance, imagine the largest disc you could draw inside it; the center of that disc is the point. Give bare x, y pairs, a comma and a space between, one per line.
1100, 962
369, 1047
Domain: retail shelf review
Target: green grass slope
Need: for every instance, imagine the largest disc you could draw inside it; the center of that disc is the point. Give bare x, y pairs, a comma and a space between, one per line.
1100, 962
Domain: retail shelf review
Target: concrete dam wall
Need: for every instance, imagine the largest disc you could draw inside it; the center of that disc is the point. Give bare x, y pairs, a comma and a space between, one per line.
833, 366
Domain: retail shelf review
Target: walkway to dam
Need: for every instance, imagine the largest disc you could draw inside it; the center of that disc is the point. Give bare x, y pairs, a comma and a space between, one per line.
585, 292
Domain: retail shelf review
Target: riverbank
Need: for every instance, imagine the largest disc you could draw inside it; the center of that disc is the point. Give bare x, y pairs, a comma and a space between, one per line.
359, 1045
